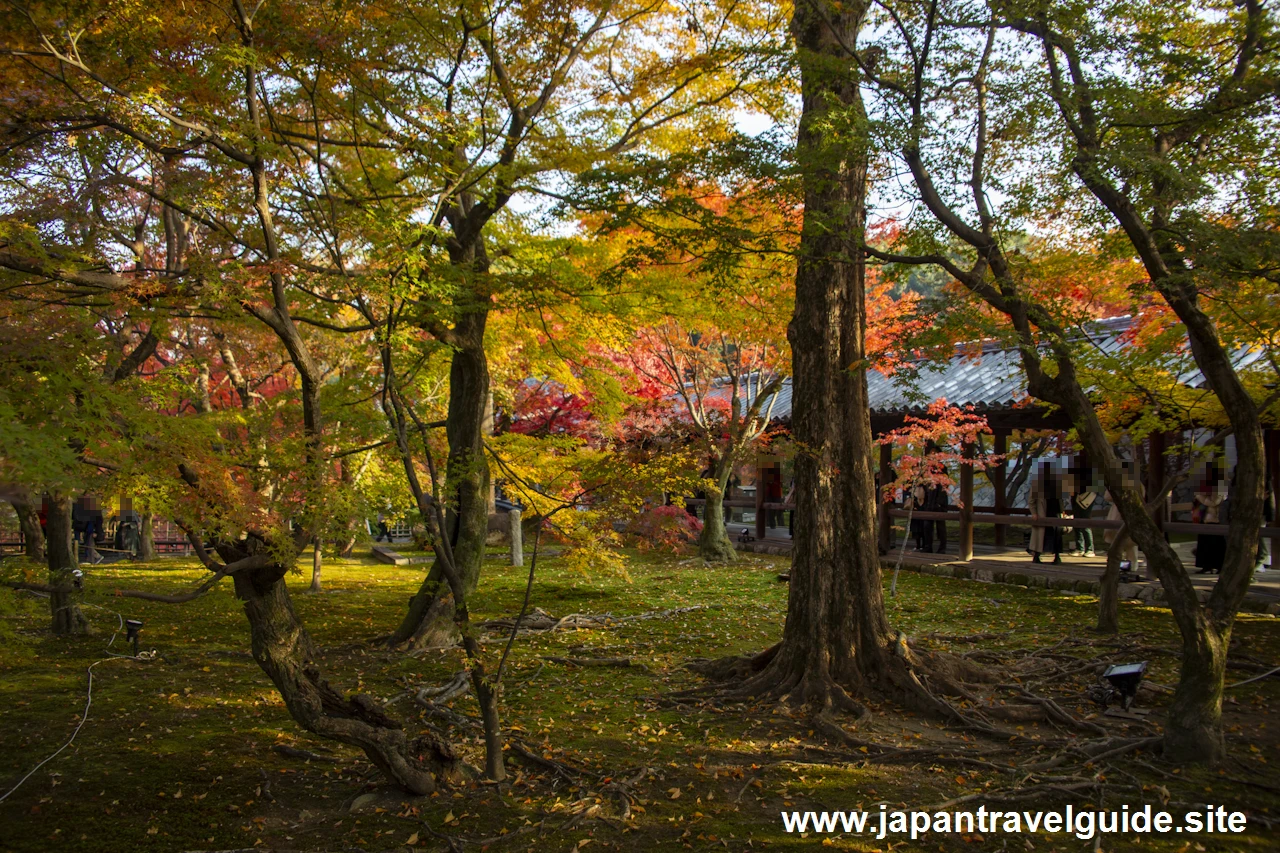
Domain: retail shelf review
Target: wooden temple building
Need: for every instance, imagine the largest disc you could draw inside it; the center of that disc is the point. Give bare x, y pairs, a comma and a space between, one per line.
988, 378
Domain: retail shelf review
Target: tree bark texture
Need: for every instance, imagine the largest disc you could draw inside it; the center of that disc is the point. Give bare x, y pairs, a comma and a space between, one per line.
62, 560
836, 639
147, 537
1109, 589
714, 545
317, 560
32, 535
466, 484
284, 650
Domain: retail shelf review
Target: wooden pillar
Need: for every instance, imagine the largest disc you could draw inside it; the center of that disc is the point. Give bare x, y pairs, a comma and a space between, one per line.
882, 505
517, 537
997, 477
966, 504
760, 490
1271, 452
1155, 471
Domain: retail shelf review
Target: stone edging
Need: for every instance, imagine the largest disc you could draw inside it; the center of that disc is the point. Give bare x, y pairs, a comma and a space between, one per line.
1149, 593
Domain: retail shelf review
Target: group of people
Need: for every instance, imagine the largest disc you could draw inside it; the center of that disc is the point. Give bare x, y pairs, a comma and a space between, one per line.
1072, 498
1054, 498
1068, 493
930, 498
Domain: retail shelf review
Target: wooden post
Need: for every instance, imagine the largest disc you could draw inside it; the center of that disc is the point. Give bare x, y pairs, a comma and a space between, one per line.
1155, 472
966, 504
760, 490
1271, 452
517, 540
997, 477
886, 476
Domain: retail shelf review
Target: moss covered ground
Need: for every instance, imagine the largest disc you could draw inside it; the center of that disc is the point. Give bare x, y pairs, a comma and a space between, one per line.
177, 754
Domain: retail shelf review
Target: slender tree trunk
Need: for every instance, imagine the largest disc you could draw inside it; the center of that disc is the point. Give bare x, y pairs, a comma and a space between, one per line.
1193, 727
714, 544
147, 537
1109, 589
32, 535
487, 697
429, 621
317, 558
62, 560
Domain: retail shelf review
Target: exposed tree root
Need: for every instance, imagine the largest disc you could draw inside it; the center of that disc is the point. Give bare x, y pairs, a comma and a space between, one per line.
301, 754
956, 688
538, 621
617, 662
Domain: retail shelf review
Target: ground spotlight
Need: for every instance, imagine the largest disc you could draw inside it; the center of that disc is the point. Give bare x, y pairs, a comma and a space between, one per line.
132, 627
1119, 681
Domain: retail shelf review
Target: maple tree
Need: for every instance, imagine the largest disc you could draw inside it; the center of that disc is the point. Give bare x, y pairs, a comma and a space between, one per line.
1119, 157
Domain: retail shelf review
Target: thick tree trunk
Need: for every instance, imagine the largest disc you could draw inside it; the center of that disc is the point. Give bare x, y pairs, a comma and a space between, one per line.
1193, 726
836, 638
467, 489
32, 535
147, 537
62, 559
317, 559
714, 544
467, 474
283, 649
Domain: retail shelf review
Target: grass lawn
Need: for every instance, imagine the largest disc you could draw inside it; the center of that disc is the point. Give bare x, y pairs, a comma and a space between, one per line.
177, 752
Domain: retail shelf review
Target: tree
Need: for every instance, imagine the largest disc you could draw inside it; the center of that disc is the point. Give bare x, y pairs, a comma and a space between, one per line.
509, 85
946, 437
836, 640
726, 388
1148, 116
220, 212
29, 524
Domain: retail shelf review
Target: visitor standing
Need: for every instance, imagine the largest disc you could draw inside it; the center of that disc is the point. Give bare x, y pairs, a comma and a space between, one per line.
1045, 502
1211, 548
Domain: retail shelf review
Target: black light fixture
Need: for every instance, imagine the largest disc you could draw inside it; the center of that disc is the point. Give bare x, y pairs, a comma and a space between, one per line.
132, 627
1119, 681
77, 580
1126, 568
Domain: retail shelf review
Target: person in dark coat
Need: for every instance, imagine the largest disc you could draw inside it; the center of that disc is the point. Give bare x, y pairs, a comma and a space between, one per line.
919, 497
1211, 548
1046, 502
937, 500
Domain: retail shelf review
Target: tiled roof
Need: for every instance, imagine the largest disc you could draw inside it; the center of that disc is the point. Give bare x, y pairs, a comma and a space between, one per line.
984, 375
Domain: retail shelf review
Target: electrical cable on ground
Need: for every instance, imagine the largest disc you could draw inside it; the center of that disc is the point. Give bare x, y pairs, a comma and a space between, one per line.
87, 704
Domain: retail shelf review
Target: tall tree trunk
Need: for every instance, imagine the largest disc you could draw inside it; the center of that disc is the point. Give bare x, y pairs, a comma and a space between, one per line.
283, 649
836, 638
62, 560
429, 621
32, 535
714, 544
317, 558
147, 537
